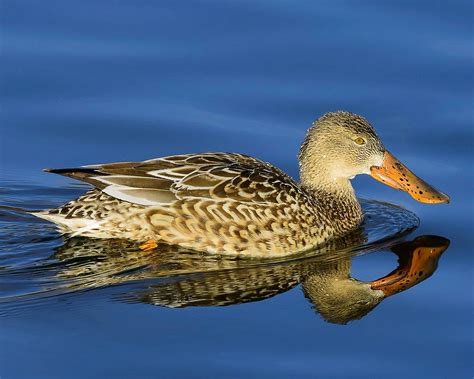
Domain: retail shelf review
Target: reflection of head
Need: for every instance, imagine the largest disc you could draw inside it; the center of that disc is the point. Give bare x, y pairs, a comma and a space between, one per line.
338, 297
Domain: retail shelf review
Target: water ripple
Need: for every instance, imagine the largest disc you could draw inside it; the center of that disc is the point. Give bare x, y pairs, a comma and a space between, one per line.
38, 266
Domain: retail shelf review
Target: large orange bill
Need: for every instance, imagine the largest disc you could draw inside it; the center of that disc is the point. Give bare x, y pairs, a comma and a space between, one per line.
395, 174
417, 259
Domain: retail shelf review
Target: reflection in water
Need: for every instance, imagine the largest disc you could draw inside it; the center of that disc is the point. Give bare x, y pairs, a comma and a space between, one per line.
173, 277
339, 298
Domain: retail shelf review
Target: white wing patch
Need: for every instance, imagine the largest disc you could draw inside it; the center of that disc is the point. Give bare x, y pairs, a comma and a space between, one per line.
141, 196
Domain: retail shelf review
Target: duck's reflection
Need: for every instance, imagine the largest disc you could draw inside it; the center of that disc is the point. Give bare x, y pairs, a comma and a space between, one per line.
339, 298
172, 277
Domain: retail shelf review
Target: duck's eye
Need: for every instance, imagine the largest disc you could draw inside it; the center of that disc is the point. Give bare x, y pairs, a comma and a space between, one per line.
359, 141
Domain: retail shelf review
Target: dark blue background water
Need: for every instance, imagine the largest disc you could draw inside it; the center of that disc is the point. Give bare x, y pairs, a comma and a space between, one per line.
86, 82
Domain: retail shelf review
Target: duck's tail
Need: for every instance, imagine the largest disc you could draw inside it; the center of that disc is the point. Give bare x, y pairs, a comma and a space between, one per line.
43, 214
67, 225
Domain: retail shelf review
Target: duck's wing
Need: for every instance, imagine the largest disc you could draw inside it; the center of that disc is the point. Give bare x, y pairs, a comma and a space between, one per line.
214, 176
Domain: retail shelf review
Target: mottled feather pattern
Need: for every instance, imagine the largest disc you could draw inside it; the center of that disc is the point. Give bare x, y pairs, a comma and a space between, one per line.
216, 202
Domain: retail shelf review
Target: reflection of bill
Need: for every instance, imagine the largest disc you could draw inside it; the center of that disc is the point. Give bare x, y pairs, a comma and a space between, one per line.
417, 260
182, 279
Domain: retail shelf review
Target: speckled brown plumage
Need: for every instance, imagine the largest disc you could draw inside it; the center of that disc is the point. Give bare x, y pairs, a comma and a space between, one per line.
215, 202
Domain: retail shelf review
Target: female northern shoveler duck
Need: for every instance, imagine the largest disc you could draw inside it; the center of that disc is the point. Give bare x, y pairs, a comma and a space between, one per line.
234, 204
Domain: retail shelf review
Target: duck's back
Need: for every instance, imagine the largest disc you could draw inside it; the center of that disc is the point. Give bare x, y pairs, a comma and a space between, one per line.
216, 202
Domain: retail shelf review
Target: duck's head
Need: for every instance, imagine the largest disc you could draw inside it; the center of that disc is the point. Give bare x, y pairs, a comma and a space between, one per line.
341, 145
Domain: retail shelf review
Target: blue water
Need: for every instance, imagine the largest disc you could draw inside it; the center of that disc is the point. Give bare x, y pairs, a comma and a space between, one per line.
86, 82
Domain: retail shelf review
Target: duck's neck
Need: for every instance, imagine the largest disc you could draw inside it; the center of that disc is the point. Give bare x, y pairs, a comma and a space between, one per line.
336, 200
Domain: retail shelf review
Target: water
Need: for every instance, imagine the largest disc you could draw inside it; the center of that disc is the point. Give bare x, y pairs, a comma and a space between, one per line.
91, 82
83, 263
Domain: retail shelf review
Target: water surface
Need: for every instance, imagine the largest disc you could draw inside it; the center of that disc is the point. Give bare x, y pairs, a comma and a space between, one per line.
78, 263
86, 82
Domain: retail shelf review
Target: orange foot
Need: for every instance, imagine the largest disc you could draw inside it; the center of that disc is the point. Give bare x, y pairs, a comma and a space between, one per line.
149, 245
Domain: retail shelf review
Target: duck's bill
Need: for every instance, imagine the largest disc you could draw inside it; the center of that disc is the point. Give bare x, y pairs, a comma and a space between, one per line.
417, 260
395, 174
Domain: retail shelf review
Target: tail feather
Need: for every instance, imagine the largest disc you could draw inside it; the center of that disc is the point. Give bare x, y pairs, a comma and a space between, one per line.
84, 174
76, 226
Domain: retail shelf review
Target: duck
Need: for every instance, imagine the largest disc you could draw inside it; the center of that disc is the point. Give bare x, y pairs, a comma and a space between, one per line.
235, 204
